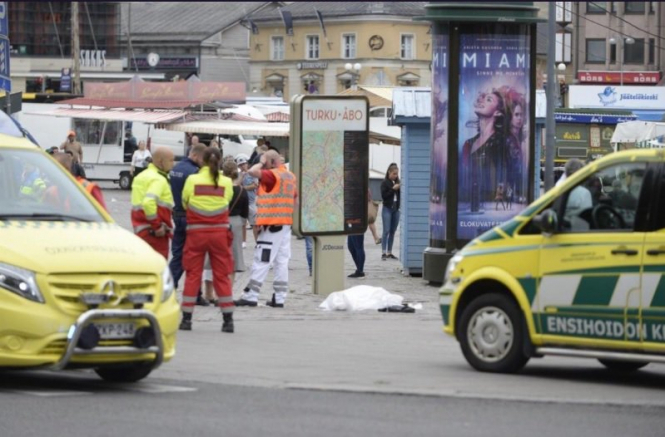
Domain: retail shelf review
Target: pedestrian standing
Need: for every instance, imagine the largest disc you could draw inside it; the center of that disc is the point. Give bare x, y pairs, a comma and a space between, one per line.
372, 211
71, 145
178, 177
152, 202
139, 157
275, 204
206, 198
250, 184
238, 214
356, 245
390, 194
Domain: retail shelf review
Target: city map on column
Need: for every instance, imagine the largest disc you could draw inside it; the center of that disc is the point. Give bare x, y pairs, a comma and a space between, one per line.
334, 166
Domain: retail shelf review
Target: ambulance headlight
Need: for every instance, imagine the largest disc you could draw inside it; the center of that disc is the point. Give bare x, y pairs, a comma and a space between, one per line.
452, 265
20, 281
168, 287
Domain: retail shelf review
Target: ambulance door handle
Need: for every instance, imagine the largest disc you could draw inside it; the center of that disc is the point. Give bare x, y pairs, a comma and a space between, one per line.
629, 252
656, 252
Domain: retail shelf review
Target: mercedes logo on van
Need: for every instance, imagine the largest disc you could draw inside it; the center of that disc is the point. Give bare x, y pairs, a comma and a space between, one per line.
109, 289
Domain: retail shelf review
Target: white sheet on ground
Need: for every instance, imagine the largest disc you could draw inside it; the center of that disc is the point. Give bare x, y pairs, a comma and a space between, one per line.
359, 298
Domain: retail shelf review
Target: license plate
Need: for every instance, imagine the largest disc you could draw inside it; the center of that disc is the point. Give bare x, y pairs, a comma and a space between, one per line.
108, 331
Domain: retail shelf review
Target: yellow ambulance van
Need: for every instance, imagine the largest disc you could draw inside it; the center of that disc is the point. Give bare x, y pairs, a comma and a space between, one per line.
578, 273
76, 290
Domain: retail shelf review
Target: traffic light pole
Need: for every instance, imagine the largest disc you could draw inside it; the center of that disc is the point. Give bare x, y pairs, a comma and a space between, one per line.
551, 96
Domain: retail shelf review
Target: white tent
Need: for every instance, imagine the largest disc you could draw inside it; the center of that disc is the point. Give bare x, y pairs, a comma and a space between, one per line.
639, 134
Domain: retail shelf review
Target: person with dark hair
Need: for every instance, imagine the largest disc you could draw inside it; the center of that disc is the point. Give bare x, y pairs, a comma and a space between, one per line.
206, 199
485, 158
390, 193
239, 213
66, 160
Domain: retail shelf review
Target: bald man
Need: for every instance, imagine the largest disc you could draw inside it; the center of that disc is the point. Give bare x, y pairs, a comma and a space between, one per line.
152, 202
275, 203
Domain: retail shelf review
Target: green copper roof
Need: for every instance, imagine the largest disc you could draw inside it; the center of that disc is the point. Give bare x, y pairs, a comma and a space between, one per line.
504, 12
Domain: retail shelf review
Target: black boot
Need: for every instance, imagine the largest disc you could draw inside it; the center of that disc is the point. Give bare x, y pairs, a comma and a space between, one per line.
272, 303
186, 322
228, 323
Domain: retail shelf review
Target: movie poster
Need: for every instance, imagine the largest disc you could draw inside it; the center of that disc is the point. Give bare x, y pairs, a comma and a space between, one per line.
493, 130
438, 167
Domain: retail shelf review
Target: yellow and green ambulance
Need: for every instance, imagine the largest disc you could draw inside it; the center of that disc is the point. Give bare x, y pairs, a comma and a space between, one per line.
578, 273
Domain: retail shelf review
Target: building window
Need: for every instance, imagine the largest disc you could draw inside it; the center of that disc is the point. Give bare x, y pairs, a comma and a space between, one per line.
652, 7
652, 51
613, 53
596, 7
595, 50
277, 52
634, 53
313, 47
635, 7
407, 47
349, 46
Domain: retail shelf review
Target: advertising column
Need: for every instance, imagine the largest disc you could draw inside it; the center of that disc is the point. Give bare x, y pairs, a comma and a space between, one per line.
493, 130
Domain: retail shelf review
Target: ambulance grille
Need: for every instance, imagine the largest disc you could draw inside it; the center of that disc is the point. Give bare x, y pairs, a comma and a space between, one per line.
66, 289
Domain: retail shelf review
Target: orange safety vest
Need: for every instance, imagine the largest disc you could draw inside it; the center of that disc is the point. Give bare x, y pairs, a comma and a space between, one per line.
86, 184
275, 207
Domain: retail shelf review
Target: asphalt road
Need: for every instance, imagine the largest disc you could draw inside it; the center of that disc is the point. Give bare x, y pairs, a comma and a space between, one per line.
299, 371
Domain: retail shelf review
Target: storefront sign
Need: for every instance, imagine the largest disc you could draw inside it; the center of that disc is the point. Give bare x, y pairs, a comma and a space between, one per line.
318, 65
165, 91
493, 130
629, 77
166, 63
93, 58
66, 80
592, 118
624, 97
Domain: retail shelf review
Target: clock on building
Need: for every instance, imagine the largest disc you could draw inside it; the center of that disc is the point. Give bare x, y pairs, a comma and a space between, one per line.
153, 59
375, 42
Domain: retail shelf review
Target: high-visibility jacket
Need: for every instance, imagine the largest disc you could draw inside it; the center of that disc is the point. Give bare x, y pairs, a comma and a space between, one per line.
33, 185
152, 201
92, 189
275, 207
207, 206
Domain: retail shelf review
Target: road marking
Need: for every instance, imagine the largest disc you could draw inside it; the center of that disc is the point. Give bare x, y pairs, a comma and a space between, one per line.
158, 388
139, 388
49, 394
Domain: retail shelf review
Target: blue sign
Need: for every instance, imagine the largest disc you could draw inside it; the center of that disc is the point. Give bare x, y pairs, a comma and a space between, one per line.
66, 80
5, 81
592, 118
4, 20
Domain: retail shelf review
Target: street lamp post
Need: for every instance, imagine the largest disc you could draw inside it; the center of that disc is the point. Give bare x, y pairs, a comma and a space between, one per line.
628, 40
355, 69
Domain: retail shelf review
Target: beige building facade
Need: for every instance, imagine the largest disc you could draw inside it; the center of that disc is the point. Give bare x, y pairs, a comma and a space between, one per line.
391, 50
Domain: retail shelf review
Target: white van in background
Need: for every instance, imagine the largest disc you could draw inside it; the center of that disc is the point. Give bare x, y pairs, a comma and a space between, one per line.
235, 144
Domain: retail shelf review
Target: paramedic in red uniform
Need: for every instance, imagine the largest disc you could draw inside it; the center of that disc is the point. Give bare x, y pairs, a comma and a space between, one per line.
152, 202
206, 199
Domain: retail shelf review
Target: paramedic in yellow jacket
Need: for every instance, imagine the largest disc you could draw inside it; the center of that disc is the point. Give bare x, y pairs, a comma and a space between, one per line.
274, 217
205, 198
152, 202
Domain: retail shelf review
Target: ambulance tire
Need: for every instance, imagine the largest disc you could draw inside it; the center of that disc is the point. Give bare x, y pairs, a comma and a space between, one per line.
623, 366
126, 373
491, 334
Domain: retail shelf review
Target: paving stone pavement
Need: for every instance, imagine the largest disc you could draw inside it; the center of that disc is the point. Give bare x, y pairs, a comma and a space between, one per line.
302, 303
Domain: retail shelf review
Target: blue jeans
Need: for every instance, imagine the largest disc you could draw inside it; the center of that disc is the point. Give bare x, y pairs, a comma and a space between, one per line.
309, 243
356, 245
390, 219
177, 247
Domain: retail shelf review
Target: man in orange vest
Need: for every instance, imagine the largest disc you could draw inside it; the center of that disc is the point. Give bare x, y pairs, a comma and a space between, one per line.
274, 217
67, 160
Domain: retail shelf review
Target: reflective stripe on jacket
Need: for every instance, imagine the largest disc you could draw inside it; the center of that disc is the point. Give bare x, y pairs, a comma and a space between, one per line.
206, 205
275, 207
152, 201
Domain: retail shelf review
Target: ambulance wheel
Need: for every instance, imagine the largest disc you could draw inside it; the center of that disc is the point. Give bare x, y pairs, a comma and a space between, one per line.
491, 334
623, 366
126, 373
125, 181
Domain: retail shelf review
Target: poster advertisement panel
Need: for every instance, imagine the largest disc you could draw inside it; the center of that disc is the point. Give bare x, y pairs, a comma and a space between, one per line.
439, 164
493, 129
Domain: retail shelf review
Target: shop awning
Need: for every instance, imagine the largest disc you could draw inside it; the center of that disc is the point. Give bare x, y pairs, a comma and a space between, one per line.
116, 115
231, 127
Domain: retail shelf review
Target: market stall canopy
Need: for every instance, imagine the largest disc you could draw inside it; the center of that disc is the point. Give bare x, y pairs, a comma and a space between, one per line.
139, 94
116, 114
643, 134
230, 127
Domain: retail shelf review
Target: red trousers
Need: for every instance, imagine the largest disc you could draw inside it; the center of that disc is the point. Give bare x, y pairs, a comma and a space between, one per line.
216, 242
160, 244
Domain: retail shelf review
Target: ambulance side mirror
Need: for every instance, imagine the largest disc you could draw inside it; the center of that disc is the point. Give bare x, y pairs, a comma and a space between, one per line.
547, 222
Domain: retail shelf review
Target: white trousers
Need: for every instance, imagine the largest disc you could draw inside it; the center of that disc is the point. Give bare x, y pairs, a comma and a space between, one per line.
273, 249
